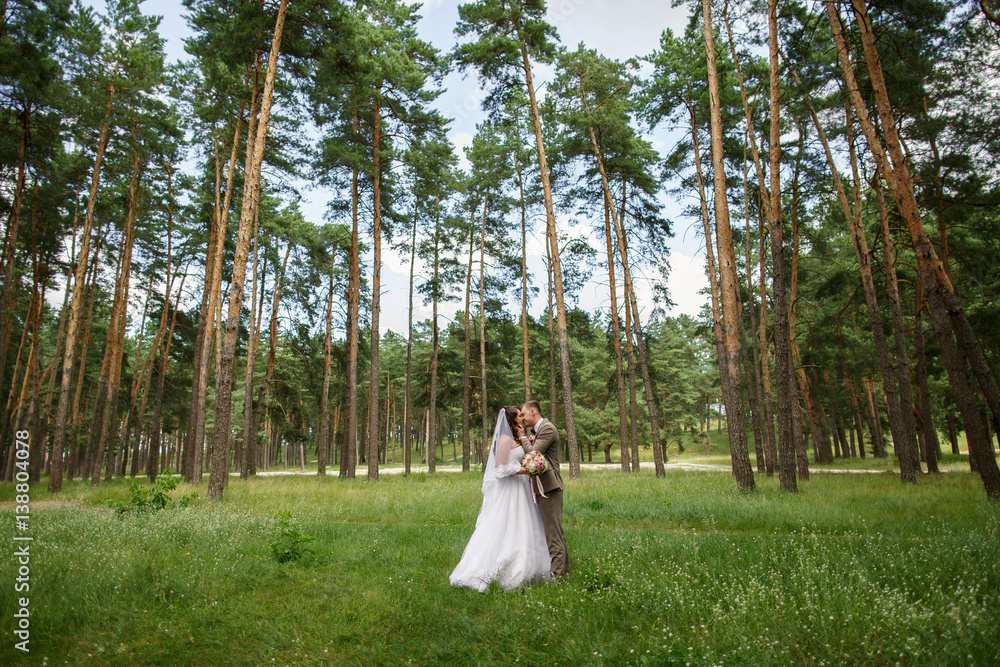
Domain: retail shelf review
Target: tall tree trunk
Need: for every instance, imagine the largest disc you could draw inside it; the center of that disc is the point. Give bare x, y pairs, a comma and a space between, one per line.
466, 367
251, 190
50, 370
323, 446
432, 411
616, 341
77, 453
763, 383
713, 275
856, 409
133, 416
116, 330
900, 416
33, 379
875, 428
933, 445
212, 299
801, 457
69, 352
10, 240
733, 387
944, 304
348, 459
553, 390
407, 402
770, 439
901, 356
248, 448
640, 344
211, 307
553, 242
782, 340
633, 410
152, 461
26, 406
754, 380
272, 357
619, 224
485, 433
524, 279
373, 397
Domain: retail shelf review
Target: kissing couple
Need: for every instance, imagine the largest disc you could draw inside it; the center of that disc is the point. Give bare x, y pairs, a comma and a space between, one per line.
518, 537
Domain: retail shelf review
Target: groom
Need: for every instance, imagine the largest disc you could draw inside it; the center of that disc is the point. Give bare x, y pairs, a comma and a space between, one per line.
545, 440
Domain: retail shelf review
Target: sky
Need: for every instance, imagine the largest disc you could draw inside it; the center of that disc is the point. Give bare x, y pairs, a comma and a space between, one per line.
618, 29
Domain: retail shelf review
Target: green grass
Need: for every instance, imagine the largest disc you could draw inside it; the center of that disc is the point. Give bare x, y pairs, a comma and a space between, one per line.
853, 569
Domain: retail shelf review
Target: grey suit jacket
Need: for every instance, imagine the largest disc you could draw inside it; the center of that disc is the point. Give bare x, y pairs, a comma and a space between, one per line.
547, 443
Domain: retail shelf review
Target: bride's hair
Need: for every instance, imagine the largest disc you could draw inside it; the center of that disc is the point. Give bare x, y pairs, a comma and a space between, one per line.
512, 413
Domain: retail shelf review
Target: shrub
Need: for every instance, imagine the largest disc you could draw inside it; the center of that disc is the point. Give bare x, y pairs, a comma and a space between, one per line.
143, 499
291, 543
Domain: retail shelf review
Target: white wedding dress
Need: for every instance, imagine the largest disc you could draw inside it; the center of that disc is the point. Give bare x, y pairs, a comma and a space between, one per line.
508, 545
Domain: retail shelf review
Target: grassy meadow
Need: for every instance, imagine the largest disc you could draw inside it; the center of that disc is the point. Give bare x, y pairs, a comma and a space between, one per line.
853, 569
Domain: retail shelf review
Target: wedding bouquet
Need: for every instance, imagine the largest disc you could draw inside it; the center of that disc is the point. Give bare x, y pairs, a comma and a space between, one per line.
534, 462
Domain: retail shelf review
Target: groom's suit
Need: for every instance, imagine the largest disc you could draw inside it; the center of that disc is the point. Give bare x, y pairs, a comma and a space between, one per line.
548, 443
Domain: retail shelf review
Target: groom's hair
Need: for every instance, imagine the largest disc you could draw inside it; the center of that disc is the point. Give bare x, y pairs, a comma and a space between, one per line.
533, 405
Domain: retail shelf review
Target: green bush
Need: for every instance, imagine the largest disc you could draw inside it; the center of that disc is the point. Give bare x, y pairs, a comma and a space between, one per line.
291, 543
143, 499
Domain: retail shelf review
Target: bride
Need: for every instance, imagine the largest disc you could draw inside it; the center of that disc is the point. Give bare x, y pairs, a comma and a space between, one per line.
508, 545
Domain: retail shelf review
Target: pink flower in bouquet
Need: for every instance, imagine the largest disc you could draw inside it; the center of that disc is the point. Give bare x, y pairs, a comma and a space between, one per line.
534, 463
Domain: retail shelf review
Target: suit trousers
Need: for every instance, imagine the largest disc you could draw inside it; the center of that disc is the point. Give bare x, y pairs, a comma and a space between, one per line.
552, 509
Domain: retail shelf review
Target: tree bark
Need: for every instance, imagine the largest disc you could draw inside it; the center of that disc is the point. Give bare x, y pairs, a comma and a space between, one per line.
754, 379
616, 342
553, 388
69, 352
152, 461
782, 339
272, 357
524, 279
801, 457
466, 368
553, 242
900, 420
251, 190
733, 388
10, 240
944, 304
619, 224
647, 381
373, 385
486, 435
901, 356
324, 400
933, 445
770, 439
407, 402
248, 448
348, 459
713, 275
116, 330
432, 411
